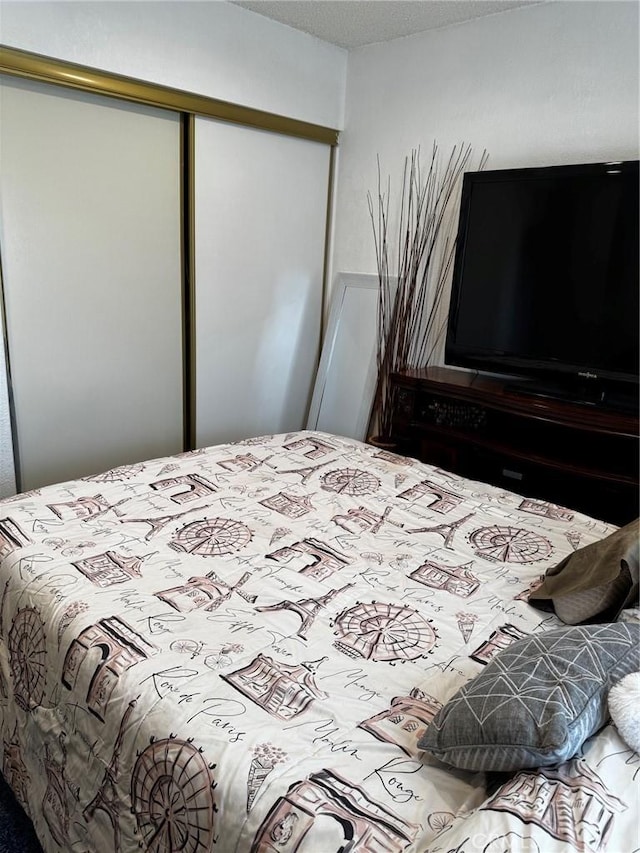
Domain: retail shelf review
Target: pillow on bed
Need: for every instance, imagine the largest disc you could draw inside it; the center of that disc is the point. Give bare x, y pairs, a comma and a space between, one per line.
537, 701
624, 707
595, 582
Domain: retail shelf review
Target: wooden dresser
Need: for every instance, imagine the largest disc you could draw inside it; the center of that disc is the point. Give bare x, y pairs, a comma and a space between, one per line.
571, 454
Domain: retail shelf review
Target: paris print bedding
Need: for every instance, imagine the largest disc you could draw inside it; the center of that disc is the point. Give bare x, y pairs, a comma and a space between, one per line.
238, 649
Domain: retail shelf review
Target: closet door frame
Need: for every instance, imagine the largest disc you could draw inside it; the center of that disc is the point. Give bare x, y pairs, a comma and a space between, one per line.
32, 66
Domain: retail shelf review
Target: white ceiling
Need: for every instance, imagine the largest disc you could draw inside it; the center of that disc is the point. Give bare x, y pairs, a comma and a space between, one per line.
354, 23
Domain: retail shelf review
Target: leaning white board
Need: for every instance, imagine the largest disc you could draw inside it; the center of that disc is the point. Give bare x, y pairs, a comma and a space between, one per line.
346, 379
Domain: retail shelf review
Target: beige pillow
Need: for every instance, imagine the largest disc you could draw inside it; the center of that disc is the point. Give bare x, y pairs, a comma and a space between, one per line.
595, 582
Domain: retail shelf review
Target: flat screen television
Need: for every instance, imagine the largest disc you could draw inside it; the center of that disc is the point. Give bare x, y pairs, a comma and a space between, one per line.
545, 282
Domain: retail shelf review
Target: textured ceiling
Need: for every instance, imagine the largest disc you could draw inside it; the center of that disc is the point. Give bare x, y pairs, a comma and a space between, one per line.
354, 23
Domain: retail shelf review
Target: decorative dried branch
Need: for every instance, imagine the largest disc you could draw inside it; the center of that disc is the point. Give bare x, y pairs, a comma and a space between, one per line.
410, 316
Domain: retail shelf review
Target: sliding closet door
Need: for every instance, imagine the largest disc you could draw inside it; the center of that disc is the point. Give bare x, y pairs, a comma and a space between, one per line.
260, 213
90, 244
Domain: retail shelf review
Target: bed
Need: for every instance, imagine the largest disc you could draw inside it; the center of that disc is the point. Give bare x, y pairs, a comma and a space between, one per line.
240, 648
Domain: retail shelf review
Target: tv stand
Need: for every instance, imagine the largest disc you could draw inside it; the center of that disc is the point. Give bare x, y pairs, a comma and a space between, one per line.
580, 394
578, 455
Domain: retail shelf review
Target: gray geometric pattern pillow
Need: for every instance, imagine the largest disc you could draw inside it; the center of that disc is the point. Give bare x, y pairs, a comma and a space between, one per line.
537, 701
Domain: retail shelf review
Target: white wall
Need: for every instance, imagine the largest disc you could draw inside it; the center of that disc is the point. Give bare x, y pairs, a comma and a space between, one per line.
543, 85
212, 48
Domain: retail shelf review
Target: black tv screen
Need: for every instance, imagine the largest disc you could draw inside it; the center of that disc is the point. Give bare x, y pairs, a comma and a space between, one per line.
545, 280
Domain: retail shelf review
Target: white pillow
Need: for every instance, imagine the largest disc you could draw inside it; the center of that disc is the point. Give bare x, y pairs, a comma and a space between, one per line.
624, 707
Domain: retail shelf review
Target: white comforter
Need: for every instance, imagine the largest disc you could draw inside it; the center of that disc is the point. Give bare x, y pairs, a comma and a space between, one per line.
238, 649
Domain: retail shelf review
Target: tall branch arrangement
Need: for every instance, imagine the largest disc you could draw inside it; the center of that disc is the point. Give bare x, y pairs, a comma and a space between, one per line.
412, 283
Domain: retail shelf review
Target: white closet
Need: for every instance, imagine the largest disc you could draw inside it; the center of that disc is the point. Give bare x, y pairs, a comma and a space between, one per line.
260, 221
163, 279
91, 256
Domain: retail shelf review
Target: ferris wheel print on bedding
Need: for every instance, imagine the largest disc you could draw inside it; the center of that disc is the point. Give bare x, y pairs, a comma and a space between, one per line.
239, 648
